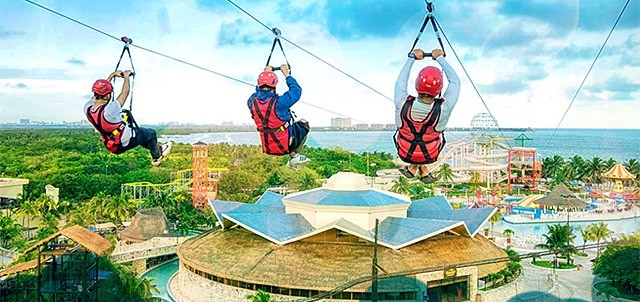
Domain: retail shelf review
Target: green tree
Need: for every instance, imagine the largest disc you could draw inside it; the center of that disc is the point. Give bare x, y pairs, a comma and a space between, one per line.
608, 291
495, 218
552, 166
558, 239
124, 285
633, 166
259, 296
306, 180
575, 167
401, 186
594, 169
48, 226
9, 231
599, 231
586, 236
27, 211
609, 163
508, 233
619, 263
444, 173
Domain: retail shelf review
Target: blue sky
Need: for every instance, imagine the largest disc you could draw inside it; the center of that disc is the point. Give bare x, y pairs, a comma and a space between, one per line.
527, 58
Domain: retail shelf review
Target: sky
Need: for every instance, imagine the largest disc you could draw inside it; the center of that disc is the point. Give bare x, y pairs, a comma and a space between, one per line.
526, 58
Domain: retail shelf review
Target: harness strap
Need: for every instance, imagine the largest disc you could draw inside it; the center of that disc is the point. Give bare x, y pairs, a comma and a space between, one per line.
129, 118
417, 141
429, 18
276, 40
265, 130
98, 124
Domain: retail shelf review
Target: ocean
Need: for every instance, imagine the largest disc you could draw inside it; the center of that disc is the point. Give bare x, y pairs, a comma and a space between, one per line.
619, 144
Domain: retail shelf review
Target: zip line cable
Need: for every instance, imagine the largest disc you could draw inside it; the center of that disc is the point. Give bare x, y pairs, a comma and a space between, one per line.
171, 57
455, 54
311, 54
588, 72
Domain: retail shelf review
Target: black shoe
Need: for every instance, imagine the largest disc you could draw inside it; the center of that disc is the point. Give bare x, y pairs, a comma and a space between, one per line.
428, 179
405, 171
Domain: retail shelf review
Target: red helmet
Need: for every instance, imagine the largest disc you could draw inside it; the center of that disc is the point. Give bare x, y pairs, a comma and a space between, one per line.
268, 78
429, 81
102, 87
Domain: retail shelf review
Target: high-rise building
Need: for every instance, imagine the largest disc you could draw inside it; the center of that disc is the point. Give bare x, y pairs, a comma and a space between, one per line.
340, 122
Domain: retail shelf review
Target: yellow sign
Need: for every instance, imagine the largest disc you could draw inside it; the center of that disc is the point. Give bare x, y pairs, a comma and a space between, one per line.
451, 272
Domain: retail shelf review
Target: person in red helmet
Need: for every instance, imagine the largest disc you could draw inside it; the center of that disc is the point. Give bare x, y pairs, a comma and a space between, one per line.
105, 116
421, 120
279, 134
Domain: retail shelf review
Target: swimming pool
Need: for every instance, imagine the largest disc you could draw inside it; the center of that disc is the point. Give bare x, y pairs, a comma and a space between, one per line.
627, 226
161, 275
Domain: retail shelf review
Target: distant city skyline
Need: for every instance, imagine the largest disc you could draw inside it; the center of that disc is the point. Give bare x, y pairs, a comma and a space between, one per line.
527, 58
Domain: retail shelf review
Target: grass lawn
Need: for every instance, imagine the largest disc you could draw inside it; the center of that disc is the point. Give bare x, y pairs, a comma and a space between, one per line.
628, 296
546, 264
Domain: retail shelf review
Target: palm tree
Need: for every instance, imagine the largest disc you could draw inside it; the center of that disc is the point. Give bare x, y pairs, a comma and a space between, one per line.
599, 231
594, 169
123, 285
608, 291
307, 181
575, 167
508, 233
259, 296
9, 231
45, 205
558, 240
586, 236
610, 163
495, 218
119, 208
552, 166
401, 186
475, 177
28, 210
445, 174
633, 166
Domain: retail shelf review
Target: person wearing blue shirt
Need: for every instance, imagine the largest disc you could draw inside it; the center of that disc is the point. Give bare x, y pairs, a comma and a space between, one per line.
271, 113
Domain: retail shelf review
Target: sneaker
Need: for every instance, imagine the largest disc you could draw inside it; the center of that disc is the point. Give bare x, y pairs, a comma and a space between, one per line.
428, 179
294, 168
166, 149
156, 162
298, 160
406, 173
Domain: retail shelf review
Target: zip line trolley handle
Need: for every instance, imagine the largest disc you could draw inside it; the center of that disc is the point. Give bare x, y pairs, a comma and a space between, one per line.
426, 55
276, 40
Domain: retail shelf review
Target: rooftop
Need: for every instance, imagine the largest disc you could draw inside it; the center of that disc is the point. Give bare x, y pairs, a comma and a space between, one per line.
241, 255
286, 219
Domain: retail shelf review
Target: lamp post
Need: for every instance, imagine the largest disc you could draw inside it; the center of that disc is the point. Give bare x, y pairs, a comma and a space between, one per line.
177, 231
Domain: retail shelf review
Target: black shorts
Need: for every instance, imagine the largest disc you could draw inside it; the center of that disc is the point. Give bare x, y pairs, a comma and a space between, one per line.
299, 131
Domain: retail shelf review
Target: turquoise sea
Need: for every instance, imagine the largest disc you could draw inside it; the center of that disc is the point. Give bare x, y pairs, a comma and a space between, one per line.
620, 144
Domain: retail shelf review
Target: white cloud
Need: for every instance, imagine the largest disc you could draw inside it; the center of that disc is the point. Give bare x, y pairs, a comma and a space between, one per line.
525, 83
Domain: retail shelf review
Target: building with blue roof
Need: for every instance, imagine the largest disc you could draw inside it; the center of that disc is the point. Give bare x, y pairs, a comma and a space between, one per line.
321, 238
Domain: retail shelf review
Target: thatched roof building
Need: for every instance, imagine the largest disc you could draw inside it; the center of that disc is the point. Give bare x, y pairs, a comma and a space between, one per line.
146, 224
316, 240
562, 197
87, 239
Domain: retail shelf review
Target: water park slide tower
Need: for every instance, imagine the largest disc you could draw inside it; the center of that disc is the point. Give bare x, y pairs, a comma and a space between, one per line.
523, 168
200, 184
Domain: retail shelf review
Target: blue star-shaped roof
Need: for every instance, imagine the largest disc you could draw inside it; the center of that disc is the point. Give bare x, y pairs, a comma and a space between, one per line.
363, 198
425, 218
